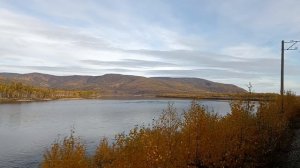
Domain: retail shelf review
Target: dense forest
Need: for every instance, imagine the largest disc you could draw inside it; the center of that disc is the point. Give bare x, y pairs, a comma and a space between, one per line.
19, 91
250, 136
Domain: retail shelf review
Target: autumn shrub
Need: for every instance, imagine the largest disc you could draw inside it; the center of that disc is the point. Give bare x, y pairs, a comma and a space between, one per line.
68, 153
157, 146
104, 156
198, 130
247, 137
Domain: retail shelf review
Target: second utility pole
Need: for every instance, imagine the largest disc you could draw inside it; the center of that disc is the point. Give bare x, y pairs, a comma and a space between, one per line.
282, 74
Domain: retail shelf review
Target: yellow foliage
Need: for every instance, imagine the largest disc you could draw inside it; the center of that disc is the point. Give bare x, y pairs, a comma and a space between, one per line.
69, 153
14, 91
104, 155
246, 137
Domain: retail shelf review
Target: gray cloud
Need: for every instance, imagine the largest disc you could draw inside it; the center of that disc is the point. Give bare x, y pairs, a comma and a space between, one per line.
152, 38
188, 58
66, 70
129, 63
205, 73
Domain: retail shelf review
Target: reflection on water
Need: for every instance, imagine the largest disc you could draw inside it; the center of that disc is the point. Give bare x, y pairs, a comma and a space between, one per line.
27, 129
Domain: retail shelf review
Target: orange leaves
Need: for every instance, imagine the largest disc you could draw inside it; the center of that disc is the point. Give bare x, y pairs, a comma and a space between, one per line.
65, 154
104, 155
246, 137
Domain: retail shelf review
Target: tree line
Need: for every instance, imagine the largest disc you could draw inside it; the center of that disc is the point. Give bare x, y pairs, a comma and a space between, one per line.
17, 90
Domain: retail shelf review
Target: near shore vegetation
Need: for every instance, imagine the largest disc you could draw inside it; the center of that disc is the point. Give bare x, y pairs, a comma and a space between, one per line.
249, 136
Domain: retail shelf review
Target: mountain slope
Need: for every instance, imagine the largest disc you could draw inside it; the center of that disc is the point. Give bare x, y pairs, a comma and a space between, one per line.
116, 84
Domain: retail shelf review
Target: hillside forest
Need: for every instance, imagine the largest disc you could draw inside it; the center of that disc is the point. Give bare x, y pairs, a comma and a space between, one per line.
18, 91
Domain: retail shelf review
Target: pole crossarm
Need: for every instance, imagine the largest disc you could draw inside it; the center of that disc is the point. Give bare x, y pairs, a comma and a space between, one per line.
293, 43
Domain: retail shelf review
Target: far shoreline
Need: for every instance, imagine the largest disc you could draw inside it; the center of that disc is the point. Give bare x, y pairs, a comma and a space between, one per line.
132, 97
17, 101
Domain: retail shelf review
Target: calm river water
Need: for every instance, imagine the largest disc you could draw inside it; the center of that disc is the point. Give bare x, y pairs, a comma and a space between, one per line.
28, 129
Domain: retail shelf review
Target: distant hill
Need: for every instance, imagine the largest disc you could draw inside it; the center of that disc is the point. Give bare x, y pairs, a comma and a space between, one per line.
116, 84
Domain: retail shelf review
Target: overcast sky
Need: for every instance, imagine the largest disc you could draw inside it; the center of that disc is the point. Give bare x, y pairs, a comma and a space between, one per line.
232, 41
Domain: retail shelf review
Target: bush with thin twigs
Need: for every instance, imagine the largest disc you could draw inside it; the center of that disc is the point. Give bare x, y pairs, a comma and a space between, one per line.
69, 152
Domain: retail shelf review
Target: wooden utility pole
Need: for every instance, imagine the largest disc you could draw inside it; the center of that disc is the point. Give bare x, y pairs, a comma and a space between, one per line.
291, 47
282, 75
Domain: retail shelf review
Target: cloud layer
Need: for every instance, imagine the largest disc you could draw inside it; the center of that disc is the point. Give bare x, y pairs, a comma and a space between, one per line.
232, 42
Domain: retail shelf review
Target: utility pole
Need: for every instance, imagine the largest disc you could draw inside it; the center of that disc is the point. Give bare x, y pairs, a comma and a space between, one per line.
282, 71
291, 43
282, 76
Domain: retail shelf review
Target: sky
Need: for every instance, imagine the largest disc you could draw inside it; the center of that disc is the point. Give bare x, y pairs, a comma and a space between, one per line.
232, 41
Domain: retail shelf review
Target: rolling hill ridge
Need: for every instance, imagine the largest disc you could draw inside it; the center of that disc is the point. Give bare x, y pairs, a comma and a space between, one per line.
117, 84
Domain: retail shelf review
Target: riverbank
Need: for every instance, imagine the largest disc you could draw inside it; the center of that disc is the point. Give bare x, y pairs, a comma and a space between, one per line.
8, 101
108, 97
217, 96
214, 98
141, 97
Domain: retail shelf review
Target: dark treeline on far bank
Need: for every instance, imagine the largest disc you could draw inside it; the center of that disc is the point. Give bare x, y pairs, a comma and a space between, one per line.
224, 96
